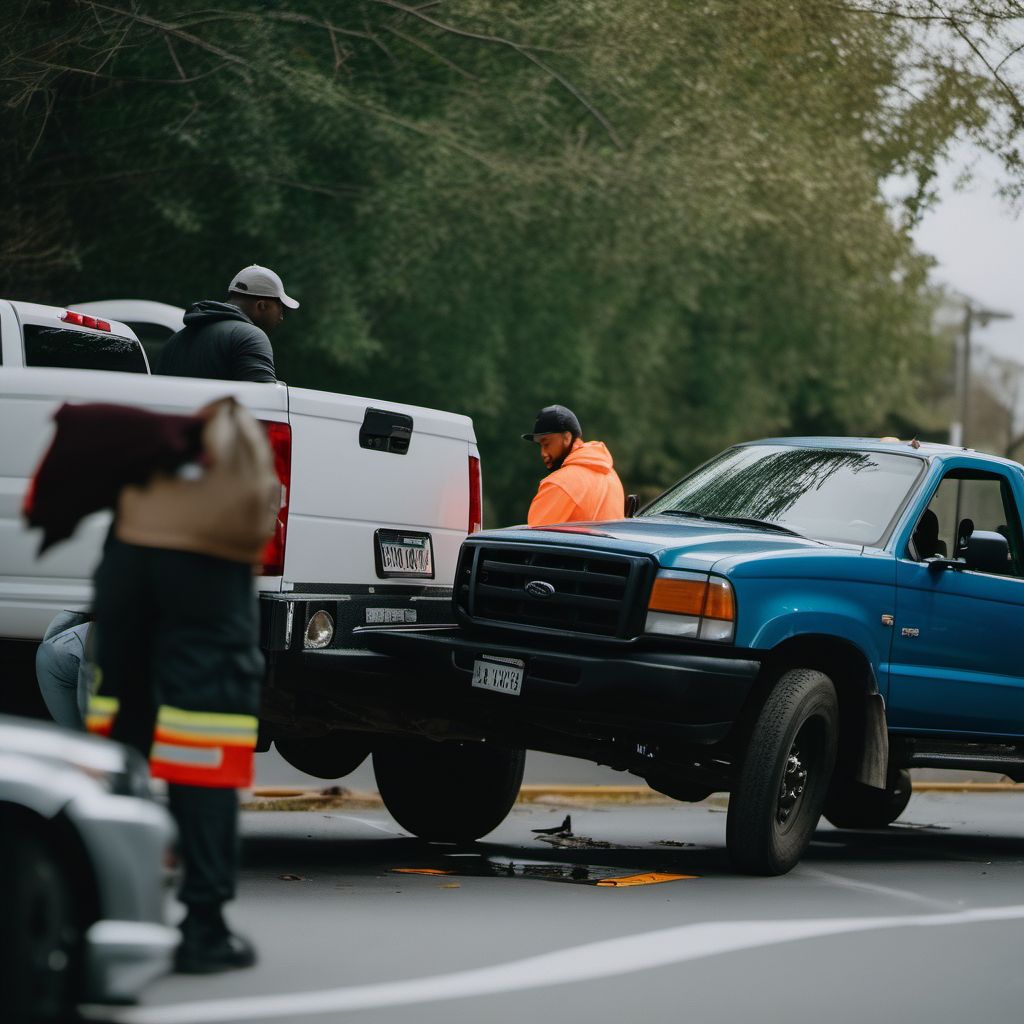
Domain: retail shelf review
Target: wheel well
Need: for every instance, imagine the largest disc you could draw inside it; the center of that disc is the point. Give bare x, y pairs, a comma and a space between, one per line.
856, 689
62, 839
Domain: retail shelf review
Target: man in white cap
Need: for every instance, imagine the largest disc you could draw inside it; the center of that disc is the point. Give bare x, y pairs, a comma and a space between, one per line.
229, 340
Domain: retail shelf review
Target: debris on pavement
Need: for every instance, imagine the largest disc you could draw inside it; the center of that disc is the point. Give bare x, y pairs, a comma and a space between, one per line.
565, 829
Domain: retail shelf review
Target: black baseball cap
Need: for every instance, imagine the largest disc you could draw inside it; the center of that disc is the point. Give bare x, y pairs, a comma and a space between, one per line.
554, 419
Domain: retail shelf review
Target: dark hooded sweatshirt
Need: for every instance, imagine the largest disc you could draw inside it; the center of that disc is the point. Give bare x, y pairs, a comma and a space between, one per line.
218, 341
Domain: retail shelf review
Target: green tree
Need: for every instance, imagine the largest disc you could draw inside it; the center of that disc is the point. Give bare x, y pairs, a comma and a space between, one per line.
668, 216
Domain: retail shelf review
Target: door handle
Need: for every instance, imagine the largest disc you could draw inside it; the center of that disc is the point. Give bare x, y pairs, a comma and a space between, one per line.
384, 431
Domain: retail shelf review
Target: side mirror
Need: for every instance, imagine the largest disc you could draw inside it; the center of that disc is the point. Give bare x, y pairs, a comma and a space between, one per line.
986, 551
940, 564
632, 504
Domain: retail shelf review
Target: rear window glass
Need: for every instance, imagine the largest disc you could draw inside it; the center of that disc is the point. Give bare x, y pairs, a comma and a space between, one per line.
77, 350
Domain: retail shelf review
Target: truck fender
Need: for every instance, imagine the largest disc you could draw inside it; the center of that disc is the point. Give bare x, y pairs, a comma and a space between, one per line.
842, 647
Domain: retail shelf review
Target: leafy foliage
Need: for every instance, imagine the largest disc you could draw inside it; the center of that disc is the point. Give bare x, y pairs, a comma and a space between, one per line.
667, 216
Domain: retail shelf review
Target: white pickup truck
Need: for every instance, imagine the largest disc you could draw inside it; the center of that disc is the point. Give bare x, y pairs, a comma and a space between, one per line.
376, 501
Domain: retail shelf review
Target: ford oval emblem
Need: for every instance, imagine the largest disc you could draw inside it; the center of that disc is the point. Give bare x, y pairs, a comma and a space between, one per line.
539, 588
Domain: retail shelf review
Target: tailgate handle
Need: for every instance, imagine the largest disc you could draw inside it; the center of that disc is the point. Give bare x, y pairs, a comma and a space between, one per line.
384, 431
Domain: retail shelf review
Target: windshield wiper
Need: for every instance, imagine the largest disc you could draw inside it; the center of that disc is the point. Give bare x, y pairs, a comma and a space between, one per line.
762, 523
737, 520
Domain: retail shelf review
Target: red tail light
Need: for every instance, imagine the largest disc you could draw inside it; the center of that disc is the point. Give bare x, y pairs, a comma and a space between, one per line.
84, 320
476, 496
280, 437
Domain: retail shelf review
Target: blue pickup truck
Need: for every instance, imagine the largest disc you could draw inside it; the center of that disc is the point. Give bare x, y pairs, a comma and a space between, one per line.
798, 622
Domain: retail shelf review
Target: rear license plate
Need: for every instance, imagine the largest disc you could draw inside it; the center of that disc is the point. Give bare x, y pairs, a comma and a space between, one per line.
399, 553
505, 675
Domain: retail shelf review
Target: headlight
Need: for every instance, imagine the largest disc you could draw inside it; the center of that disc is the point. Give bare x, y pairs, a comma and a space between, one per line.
692, 604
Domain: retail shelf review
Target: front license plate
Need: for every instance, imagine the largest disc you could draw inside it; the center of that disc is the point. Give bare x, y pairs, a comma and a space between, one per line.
400, 553
505, 675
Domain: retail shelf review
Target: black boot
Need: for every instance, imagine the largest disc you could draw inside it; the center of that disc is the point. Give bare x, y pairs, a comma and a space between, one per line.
208, 946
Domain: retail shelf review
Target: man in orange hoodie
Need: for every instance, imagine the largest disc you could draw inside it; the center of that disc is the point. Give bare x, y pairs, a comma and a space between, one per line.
583, 485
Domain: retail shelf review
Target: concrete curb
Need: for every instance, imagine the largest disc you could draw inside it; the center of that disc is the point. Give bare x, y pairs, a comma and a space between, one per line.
969, 787
286, 797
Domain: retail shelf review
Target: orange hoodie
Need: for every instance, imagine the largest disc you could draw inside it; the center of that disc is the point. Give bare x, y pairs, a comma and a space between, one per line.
586, 488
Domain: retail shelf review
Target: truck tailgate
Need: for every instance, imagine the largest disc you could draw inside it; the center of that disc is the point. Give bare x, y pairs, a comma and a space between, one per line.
348, 482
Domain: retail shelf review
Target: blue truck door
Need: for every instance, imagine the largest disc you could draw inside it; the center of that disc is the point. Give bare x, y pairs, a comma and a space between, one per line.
958, 650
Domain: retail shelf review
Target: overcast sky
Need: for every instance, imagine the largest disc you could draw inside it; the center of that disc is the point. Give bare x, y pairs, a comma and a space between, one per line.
979, 245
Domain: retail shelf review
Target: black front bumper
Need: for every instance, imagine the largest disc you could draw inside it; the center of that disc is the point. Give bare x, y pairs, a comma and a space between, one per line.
691, 697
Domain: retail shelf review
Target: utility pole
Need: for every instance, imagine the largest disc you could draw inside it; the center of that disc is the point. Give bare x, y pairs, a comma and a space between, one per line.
974, 316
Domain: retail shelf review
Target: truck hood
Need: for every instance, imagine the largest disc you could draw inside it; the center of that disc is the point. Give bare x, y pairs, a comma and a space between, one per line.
672, 541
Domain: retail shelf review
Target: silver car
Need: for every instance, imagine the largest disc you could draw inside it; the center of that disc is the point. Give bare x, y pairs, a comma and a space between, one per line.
83, 861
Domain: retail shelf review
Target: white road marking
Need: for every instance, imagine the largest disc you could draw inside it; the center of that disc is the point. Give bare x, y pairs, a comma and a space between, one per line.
878, 890
369, 824
592, 961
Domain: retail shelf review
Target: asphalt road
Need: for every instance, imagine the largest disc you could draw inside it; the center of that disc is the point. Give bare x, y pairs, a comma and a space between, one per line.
920, 922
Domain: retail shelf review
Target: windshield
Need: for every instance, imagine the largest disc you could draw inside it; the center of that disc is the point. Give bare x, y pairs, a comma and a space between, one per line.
826, 494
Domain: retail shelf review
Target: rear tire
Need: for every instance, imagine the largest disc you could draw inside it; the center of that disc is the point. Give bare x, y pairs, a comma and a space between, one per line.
324, 757
448, 792
777, 800
854, 805
40, 936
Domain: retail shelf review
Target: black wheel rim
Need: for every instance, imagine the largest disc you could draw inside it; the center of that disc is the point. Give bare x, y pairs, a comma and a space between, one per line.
797, 773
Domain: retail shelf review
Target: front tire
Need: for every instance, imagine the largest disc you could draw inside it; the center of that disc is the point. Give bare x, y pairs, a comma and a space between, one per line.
448, 792
778, 797
854, 805
40, 937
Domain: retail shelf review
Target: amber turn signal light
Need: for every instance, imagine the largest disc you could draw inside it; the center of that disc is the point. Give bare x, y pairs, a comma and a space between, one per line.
711, 598
720, 603
678, 596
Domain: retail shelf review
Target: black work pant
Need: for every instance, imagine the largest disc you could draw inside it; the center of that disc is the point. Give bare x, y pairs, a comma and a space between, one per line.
181, 629
207, 820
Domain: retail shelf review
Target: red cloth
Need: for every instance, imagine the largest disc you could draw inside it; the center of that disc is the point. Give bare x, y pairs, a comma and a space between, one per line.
97, 450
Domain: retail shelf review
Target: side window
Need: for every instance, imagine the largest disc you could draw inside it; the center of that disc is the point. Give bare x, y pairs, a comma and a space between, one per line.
77, 350
968, 500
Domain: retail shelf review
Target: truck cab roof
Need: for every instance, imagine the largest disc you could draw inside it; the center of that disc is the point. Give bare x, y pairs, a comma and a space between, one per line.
36, 335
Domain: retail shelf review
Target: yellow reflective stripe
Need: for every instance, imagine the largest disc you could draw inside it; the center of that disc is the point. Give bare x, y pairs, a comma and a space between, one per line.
103, 705
198, 719
206, 738
206, 728
100, 713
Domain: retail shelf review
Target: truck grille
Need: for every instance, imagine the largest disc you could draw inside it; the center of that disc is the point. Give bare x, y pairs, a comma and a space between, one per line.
588, 593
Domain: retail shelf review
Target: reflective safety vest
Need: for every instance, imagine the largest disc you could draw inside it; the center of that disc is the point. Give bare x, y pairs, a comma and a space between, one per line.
193, 748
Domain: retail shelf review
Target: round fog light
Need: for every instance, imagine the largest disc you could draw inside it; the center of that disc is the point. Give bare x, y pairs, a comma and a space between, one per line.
319, 630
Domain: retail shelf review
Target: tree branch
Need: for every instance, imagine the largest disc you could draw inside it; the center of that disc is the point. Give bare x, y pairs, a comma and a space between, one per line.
1009, 91
524, 51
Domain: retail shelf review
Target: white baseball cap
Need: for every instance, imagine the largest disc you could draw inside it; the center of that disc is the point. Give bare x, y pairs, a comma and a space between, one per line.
263, 283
